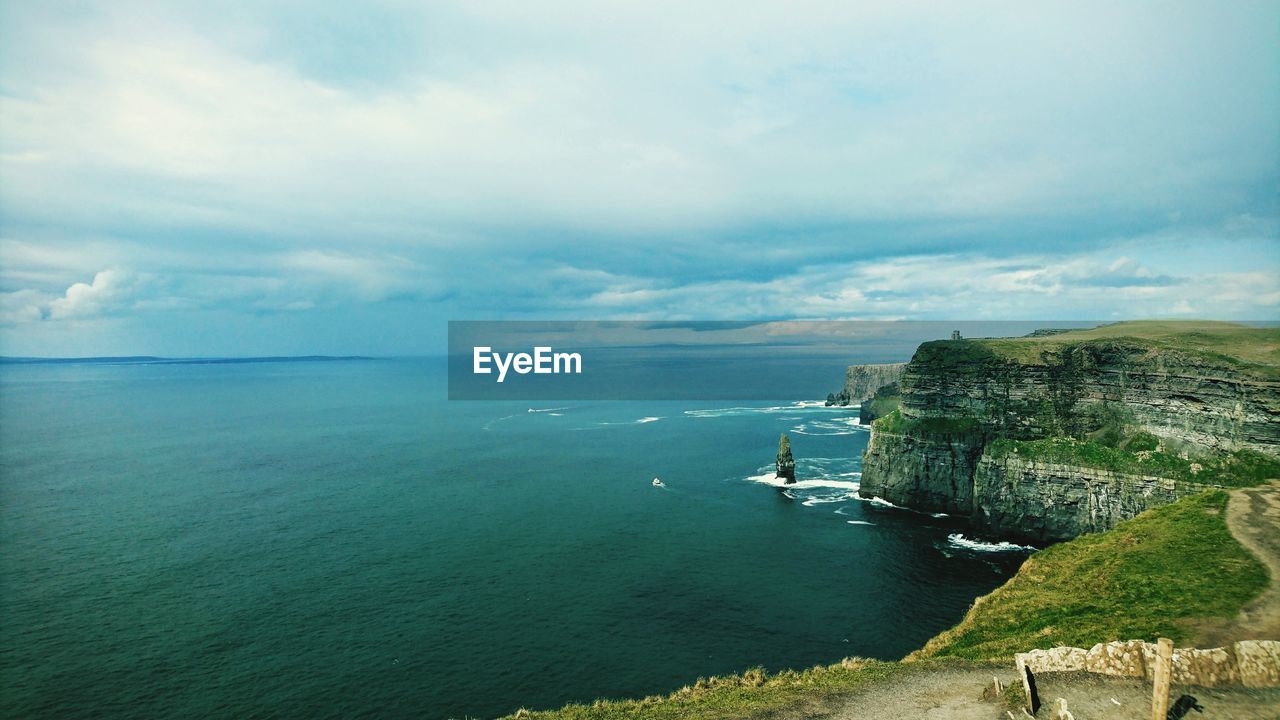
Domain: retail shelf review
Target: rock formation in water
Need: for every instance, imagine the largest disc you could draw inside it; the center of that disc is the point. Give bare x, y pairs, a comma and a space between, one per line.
862, 381
786, 464
1046, 437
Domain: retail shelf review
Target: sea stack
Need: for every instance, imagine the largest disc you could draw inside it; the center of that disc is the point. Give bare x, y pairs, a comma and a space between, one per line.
786, 467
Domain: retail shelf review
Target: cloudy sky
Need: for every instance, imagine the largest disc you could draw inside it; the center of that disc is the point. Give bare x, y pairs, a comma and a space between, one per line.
299, 177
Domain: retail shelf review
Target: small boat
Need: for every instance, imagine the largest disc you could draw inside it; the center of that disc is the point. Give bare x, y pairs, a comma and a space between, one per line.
658, 483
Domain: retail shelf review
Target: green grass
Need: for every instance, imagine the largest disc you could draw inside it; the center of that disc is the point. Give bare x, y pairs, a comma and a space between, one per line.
896, 423
1242, 468
885, 401
1244, 348
736, 696
1144, 579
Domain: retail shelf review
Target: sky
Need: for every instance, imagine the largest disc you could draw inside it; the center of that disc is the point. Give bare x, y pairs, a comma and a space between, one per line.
263, 178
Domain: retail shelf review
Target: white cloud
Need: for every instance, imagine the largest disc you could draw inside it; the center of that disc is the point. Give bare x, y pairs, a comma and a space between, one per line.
22, 306
696, 160
957, 287
112, 290
690, 116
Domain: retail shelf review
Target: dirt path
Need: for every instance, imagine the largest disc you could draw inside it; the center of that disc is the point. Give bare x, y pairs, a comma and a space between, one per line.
956, 694
930, 693
1253, 515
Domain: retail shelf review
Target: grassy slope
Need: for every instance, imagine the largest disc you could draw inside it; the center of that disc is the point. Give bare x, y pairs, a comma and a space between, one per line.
1143, 579
1245, 348
736, 696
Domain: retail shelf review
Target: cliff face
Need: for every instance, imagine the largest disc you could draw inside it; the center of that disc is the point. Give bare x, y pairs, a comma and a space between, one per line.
886, 400
1045, 502
862, 381
1184, 398
1103, 396
926, 474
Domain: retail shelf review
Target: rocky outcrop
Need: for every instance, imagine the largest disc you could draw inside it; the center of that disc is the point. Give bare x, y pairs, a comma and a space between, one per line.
956, 397
785, 464
862, 381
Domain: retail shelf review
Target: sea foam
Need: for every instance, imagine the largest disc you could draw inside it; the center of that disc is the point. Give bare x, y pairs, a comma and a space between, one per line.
770, 478
834, 426
961, 541
799, 405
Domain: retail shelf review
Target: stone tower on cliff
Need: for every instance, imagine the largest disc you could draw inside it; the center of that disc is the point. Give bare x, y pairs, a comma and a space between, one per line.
786, 465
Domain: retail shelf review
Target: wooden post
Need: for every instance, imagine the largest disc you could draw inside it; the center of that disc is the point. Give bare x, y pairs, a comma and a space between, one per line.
1163, 670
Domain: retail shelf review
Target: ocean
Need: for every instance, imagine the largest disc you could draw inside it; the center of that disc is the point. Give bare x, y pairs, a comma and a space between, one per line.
336, 539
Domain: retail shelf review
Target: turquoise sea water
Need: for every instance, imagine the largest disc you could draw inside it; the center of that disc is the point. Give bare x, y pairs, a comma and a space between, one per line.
338, 540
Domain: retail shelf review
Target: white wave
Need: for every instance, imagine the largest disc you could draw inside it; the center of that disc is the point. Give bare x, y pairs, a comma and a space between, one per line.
938, 515
840, 511
830, 426
877, 500
770, 478
738, 410
555, 415
859, 522
960, 540
641, 421
841, 497
546, 410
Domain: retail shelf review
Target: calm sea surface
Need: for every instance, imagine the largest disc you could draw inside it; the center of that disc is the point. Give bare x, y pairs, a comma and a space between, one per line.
337, 540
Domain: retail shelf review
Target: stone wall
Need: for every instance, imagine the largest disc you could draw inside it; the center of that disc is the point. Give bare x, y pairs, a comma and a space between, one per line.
1251, 663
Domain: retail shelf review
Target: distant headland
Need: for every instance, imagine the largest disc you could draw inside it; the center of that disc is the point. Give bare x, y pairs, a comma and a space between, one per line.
154, 360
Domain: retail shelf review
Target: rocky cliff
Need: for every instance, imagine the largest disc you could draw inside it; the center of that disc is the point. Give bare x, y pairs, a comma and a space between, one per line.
785, 464
1051, 436
862, 381
1039, 501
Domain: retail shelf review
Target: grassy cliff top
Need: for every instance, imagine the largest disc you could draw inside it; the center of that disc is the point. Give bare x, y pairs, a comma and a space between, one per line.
1241, 346
1149, 577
